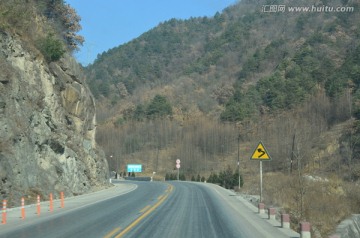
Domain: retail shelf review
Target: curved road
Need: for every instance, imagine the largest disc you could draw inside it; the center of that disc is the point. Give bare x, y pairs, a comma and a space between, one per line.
155, 209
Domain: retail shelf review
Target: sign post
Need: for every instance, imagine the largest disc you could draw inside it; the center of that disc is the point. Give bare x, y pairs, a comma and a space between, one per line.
178, 168
238, 157
261, 182
261, 154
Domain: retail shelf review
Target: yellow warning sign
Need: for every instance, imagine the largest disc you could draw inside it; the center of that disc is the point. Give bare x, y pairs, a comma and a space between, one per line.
260, 153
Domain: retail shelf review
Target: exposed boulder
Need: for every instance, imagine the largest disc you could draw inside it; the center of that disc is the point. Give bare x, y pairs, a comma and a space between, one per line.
349, 228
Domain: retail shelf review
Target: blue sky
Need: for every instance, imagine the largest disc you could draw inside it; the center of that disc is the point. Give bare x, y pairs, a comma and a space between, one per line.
110, 23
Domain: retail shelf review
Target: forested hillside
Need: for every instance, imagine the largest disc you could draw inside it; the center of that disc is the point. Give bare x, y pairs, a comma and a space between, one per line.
242, 60
290, 79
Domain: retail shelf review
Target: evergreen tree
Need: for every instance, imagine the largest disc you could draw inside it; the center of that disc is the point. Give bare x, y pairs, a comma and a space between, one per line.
158, 107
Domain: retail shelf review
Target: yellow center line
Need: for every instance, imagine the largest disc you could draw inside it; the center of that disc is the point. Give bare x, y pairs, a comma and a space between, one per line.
145, 209
140, 218
160, 197
112, 232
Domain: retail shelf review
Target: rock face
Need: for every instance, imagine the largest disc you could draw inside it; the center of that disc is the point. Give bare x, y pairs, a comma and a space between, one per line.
47, 126
349, 228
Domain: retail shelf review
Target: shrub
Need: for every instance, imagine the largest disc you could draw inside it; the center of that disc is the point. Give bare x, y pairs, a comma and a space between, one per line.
226, 178
51, 48
173, 176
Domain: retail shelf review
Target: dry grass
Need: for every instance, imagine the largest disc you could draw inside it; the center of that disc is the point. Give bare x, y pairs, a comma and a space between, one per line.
322, 202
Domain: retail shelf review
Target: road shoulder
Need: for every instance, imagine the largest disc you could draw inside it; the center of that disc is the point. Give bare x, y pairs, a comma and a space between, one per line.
240, 205
14, 215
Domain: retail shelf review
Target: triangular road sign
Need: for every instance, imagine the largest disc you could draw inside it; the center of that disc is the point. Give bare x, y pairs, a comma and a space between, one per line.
260, 153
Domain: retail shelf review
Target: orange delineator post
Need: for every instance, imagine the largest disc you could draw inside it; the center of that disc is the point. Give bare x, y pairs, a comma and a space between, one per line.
22, 208
62, 199
51, 203
4, 212
38, 209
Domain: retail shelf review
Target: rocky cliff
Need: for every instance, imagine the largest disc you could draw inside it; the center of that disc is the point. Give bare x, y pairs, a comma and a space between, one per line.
349, 228
47, 126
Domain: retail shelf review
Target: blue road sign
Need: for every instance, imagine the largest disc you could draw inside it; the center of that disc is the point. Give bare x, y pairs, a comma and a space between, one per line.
136, 168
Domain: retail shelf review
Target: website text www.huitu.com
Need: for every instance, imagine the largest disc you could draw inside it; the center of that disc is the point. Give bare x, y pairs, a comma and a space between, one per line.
313, 8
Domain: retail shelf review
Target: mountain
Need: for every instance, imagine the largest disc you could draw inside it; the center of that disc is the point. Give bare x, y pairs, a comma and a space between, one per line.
244, 66
239, 53
47, 113
282, 72
240, 66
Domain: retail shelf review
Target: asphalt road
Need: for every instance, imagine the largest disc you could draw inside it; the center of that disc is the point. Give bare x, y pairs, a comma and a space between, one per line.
153, 209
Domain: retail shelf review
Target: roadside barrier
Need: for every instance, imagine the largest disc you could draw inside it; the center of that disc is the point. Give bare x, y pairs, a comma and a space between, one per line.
261, 208
38, 208
4, 212
285, 221
271, 213
62, 200
36, 205
51, 202
304, 227
22, 208
305, 230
